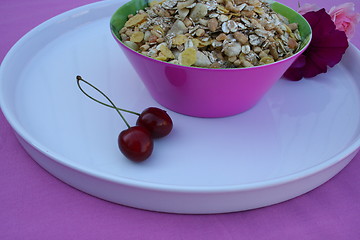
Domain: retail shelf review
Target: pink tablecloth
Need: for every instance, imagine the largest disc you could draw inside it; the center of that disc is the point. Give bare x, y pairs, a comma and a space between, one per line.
36, 205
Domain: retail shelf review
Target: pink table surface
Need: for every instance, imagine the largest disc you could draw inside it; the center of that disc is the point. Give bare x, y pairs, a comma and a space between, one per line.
36, 205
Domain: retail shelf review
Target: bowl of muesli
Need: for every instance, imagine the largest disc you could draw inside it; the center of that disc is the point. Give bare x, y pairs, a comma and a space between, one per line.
209, 58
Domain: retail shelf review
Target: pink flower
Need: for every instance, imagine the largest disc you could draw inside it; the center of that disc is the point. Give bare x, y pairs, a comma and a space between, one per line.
307, 8
345, 18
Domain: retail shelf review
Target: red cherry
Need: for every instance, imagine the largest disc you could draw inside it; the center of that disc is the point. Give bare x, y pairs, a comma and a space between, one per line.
136, 143
156, 120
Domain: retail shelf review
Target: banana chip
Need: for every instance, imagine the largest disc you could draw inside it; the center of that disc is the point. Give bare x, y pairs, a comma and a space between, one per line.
137, 37
161, 57
166, 51
188, 57
267, 60
136, 20
179, 39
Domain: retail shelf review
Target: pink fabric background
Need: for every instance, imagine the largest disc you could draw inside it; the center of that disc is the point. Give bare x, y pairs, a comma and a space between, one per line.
36, 205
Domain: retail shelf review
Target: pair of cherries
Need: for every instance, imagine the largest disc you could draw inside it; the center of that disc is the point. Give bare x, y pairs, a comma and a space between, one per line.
136, 142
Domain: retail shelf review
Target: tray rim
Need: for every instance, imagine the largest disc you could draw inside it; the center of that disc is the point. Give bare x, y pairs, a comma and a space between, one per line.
21, 131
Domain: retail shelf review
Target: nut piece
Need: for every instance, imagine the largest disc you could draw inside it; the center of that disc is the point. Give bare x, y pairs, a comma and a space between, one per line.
202, 60
177, 28
246, 63
145, 47
292, 43
263, 54
187, 22
257, 49
183, 13
241, 38
232, 59
221, 37
273, 51
200, 32
124, 37
185, 4
131, 45
237, 63
293, 26
232, 49
212, 24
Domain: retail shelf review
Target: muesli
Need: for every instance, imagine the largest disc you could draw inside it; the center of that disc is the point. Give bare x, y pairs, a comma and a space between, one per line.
211, 33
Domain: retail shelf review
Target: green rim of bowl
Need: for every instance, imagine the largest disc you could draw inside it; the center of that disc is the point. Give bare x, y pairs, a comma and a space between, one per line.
119, 18
295, 17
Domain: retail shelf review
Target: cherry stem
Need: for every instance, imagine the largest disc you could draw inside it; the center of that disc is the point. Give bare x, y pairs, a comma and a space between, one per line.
94, 99
79, 78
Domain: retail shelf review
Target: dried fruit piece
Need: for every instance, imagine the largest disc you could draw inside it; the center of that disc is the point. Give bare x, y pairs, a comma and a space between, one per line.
166, 51
136, 20
266, 60
179, 39
153, 39
222, 9
158, 29
161, 57
188, 57
137, 37
200, 10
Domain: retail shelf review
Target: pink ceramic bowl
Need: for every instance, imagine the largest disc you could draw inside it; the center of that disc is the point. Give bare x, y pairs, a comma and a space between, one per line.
204, 92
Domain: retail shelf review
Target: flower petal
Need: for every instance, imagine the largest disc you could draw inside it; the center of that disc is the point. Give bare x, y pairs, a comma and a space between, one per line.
294, 72
325, 50
345, 18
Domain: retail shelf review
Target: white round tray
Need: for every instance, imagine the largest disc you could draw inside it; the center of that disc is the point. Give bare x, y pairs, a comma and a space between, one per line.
298, 137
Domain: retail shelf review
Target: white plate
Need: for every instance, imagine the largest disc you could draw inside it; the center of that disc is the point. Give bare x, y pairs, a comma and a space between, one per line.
299, 136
